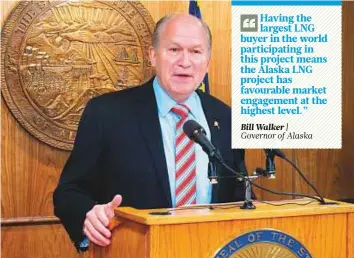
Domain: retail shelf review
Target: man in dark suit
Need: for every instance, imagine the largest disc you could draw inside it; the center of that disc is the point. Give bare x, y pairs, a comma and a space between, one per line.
128, 150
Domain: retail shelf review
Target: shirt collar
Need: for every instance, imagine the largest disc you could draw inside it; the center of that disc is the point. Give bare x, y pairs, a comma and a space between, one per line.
165, 102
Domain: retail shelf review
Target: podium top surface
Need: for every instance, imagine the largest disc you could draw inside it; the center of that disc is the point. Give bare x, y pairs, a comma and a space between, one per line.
231, 211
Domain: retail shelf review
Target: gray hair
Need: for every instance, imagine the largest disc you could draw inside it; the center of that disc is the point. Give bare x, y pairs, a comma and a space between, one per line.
165, 19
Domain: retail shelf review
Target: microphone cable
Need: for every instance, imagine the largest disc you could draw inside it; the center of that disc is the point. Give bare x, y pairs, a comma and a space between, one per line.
320, 200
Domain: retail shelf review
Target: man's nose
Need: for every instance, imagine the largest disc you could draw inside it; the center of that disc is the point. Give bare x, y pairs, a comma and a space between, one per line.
185, 59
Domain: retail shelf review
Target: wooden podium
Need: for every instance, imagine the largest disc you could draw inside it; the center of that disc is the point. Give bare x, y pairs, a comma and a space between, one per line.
325, 231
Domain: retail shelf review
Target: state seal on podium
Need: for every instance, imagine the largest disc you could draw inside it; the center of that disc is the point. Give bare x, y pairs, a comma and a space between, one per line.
266, 243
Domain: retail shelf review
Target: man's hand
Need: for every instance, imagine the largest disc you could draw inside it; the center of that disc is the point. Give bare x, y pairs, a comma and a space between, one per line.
97, 220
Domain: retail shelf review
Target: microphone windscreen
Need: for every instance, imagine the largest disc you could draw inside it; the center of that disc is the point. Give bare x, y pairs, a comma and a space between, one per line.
190, 127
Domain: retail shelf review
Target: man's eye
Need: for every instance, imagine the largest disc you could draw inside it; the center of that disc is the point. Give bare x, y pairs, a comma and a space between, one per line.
195, 51
174, 49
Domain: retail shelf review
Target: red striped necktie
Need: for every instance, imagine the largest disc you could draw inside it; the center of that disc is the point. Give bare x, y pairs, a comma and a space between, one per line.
186, 189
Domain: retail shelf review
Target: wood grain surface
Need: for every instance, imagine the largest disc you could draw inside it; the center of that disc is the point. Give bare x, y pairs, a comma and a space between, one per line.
30, 169
324, 231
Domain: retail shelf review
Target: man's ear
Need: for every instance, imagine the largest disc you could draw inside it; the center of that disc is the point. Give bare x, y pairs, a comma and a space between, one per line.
208, 64
152, 55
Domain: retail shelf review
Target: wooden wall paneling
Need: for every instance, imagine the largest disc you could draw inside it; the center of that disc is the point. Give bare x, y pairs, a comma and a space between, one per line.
332, 171
283, 181
30, 171
34, 241
159, 9
284, 177
254, 159
346, 163
218, 17
319, 166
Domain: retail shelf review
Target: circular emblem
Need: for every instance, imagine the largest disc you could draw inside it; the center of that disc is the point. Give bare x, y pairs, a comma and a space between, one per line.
56, 55
263, 244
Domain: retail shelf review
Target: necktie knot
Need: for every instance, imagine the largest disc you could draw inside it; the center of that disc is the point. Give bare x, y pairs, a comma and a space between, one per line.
181, 109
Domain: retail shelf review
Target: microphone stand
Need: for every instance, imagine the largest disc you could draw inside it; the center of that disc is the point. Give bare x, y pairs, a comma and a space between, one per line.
259, 172
215, 156
212, 175
248, 204
269, 173
270, 164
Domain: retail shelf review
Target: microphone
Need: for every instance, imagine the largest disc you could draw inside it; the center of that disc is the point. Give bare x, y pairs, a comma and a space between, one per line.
269, 171
275, 152
270, 164
196, 133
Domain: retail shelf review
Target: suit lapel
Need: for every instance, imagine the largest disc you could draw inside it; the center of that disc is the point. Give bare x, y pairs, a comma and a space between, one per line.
146, 111
213, 119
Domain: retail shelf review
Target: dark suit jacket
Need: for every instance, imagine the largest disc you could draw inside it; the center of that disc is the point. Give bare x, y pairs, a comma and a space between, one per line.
119, 150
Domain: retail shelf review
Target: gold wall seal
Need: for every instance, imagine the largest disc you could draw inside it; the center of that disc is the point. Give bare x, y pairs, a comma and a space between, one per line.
56, 55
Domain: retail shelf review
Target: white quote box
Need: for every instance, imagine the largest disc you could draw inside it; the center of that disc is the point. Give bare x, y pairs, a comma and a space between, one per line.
298, 100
